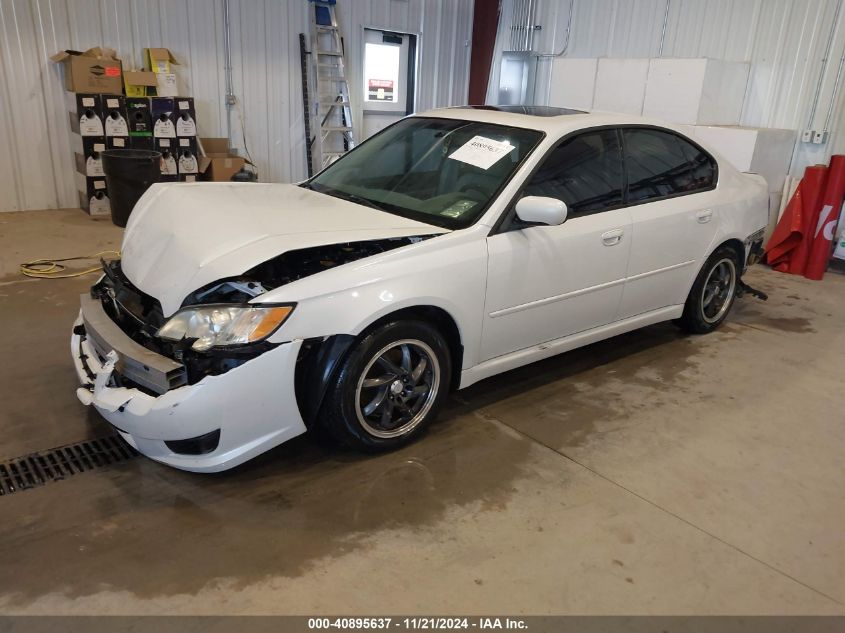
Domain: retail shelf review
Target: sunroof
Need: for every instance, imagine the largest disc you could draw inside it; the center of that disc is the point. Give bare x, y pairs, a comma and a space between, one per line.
526, 109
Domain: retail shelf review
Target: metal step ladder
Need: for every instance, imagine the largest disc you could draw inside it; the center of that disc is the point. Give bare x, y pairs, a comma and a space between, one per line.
328, 115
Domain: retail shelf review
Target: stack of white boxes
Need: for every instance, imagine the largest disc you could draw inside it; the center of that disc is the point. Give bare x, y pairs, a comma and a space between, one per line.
621, 85
702, 96
695, 91
573, 82
88, 141
186, 138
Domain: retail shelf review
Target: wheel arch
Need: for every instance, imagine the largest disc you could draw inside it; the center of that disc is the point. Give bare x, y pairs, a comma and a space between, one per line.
441, 319
691, 319
320, 358
737, 246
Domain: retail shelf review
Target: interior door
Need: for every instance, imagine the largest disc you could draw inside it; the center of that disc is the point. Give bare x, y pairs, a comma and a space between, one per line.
389, 78
670, 190
546, 282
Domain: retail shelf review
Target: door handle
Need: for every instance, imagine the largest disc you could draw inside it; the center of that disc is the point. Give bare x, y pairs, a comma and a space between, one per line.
612, 238
704, 216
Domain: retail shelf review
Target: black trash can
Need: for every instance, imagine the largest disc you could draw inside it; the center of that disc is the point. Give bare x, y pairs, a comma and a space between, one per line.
129, 173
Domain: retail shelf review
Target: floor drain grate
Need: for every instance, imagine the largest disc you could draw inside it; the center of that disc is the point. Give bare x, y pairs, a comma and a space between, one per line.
37, 469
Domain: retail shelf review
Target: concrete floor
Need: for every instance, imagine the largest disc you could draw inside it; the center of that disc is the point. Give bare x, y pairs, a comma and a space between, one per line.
651, 473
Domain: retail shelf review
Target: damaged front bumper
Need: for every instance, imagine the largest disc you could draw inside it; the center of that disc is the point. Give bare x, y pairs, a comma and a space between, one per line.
228, 418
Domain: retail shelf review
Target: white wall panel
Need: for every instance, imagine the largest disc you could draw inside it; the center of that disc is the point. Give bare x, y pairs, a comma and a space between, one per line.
784, 40
36, 169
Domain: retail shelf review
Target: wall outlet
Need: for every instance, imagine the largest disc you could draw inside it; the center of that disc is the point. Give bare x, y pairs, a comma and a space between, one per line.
807, 136
820, 138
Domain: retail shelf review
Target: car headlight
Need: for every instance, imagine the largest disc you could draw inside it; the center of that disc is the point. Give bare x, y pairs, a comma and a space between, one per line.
220, 325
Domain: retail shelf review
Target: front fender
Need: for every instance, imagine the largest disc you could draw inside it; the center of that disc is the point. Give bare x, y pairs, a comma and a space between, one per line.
450, 275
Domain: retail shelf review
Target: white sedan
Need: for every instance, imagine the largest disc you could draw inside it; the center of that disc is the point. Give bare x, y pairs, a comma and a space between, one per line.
452, 246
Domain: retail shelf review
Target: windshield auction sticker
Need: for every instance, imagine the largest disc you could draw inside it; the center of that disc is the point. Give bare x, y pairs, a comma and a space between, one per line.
481, 151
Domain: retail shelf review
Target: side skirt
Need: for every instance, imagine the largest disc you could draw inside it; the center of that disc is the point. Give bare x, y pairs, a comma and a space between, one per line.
558, 346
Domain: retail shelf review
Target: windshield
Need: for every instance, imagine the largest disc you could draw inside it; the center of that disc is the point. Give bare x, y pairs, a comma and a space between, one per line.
439, 171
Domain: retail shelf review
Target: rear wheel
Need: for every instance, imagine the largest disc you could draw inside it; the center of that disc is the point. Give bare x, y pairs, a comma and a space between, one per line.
712, 294
389, 387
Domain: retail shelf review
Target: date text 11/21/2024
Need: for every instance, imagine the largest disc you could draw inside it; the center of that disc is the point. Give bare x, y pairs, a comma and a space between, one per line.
417, 623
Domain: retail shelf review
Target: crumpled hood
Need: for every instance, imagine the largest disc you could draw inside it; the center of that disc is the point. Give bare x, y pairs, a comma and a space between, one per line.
183, 236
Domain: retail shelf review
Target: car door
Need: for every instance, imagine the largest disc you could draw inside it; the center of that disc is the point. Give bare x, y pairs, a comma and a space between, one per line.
671, 197
546, 282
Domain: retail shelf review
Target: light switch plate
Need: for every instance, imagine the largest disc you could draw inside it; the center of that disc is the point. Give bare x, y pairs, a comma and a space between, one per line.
820, 138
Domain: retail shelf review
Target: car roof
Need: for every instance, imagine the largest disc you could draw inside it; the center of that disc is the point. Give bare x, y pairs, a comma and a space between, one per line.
552, 120
534, 110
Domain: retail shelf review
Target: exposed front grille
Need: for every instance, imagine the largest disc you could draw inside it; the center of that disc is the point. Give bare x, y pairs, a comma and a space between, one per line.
43, 467
138, 314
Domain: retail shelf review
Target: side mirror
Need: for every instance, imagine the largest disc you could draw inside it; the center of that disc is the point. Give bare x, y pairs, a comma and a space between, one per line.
541, 210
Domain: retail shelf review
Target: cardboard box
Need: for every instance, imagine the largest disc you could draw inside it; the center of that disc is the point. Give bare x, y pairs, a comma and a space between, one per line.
573, 82
139, 83
696, 91
166, 85
166, 145
158, 60
169, 163
114, 116
187, 163
95, 70
139, 118
187, 144
218, 164
185, 115
162, 114
87, 144
118, 142
86, 154
184, 104
90, 164
93, 195
86, 114
82, 102
141, 142
186, 125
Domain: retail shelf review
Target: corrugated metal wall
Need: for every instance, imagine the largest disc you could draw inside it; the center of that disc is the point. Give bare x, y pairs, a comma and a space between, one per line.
36, 170
784, 40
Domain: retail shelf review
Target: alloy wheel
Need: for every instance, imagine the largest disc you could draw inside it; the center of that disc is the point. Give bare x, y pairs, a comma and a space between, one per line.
718, 290
397, 388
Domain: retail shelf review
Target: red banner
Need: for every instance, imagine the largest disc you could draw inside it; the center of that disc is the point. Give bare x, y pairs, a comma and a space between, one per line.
789, 246
825, 219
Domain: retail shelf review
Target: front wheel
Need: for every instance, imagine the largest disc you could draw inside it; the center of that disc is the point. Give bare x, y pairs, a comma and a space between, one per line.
712, 294
389, 387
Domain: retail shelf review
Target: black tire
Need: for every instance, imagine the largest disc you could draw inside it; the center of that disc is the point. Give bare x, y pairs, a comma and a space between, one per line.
713, 293
374, 359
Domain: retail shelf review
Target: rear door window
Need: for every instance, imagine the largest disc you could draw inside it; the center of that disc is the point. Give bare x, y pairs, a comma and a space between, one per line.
661, 164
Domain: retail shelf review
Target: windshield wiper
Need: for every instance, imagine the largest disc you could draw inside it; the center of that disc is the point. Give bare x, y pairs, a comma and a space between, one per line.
351, 197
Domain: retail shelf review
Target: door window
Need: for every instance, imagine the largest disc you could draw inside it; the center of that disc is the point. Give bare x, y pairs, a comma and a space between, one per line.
661, 164
585, 172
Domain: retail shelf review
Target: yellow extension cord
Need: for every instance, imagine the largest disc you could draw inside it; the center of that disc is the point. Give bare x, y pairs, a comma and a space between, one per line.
52, 269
